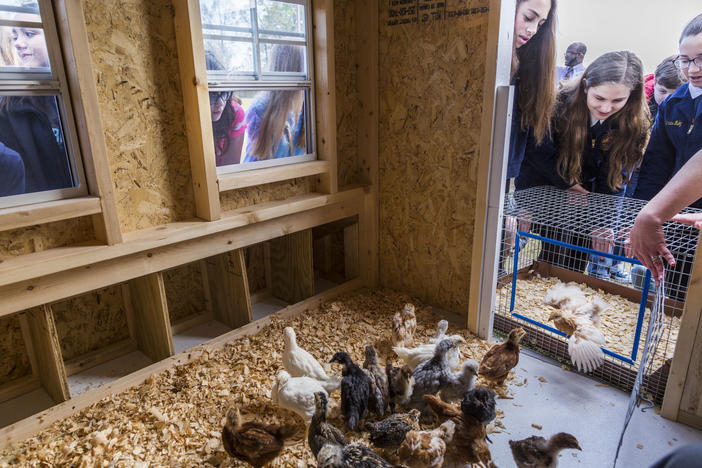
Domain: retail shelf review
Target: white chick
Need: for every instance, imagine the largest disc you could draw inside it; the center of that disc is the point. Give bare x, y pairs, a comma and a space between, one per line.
297, 394
300, 363
415, 356
592, 309
584, 345
569, 297
460, 382
440, 331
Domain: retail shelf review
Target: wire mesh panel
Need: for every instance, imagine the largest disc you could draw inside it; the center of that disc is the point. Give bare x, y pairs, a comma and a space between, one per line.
553, 236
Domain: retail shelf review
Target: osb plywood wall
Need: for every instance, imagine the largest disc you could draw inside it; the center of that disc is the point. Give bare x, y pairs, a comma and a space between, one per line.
133, 52
234, 199
14, 361
45, 236
184, 292
347, 97
432, 58
256, 267
92, 321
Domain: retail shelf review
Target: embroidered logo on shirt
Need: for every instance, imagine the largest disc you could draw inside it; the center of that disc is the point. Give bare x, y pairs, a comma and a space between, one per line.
606, 142
674, 123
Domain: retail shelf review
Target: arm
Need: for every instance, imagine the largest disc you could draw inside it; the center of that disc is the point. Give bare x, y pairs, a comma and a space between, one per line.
647, 239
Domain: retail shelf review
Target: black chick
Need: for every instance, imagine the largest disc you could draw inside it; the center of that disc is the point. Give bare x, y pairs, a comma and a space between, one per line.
400, 385
354, 455
355, 390
390, 432
429, 377
480, 403
379, 382
320, 431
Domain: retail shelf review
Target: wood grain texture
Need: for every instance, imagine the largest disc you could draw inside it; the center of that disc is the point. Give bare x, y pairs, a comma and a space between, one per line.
229, 289
292, 267
47, 350
152, 324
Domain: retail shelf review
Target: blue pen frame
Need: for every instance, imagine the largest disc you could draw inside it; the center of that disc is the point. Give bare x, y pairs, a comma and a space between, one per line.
642, 305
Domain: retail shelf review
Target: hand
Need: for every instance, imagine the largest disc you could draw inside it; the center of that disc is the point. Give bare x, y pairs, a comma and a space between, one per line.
510, 232
648, 244
603, 239
691, 219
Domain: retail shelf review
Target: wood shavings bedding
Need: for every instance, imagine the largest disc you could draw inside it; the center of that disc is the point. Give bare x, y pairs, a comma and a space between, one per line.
618, 323
175, 418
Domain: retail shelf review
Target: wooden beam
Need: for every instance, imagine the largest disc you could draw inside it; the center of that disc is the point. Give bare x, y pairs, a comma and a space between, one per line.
48, 212
86, 109
325, 92
351, 252
198, 123
34, 424
291, 267
152, 323
252, 178
47, 351
229, 288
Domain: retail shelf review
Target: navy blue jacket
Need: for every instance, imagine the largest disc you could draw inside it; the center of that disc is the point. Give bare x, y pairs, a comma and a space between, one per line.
517, 137
11, 172
675, 138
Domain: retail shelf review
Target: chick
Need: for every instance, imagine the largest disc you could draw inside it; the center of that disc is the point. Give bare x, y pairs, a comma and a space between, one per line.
469, 444
441, 329
404, 323
300, 363
379, 396
297, 394
349, 456
321, 432
565, 296
460, 382
500, 359
537, 452
415, 356
400, 385
390, 432
585, 340
480, 403
430, 377
355, 390
426, 449
254, 442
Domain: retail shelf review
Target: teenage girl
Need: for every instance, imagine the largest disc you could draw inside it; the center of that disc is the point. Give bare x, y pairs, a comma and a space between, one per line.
676, 137
600, 126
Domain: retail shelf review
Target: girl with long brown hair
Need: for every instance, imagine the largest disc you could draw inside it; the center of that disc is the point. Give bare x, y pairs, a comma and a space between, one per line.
600, 128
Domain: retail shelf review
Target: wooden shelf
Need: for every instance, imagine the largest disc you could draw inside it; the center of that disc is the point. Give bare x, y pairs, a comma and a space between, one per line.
237, 180
48, 212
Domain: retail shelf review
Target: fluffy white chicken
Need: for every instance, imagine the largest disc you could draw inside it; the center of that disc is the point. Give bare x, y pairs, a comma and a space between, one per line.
404, 323
415, 356
297, 394
300, 363
565, 296
441, 328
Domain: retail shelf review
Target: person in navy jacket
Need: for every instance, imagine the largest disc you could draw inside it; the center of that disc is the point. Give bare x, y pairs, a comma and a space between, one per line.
11, 172
600, 127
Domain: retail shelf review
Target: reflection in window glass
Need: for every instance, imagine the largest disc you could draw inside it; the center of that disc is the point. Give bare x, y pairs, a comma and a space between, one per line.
283, 58
33, 154
282, 17
22, 46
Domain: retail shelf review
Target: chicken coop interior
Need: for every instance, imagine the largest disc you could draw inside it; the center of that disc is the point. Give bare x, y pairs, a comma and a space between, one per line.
146, 310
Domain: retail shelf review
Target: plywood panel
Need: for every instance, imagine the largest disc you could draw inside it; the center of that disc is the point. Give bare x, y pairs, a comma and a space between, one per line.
133, 51
256, 267
45, 236
291, 267
46, 349
14, 360
234, 199
229, 288
184, 292
430, 116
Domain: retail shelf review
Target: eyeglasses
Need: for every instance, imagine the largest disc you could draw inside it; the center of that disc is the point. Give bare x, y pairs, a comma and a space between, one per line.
223, 95
684, 63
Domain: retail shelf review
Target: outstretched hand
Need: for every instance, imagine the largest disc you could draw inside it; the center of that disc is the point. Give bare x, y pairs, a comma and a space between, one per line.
647, 242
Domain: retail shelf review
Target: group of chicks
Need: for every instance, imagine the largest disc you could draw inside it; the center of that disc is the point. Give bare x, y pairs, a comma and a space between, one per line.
426, 387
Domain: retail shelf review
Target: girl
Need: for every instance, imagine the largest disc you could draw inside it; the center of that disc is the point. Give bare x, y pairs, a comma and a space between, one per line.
600, 126
667, 78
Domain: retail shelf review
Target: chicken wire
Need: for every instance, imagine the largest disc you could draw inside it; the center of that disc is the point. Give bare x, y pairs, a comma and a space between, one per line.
549, 233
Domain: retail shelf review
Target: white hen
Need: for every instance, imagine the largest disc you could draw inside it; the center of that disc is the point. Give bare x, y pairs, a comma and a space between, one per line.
415, 356
300, 363
565, 296
297, 394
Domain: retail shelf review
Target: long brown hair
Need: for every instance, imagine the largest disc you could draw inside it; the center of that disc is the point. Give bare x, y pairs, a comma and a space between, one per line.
536, 75
629, 125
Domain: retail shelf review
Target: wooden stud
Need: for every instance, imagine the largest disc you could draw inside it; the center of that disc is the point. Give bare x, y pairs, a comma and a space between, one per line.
291, 267
86, 108
198, 123
351, 253
237, 180
47, 350
229, 288
152, 323
325, 92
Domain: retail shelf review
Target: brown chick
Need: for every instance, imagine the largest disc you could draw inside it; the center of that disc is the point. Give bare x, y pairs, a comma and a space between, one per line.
469, 444
426, 449
537, 452
400, 385
254, 442
404, 323
563, 321
500, 359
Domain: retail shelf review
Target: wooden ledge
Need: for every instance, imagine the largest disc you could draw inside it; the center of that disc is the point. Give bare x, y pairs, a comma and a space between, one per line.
237, 180
47, 212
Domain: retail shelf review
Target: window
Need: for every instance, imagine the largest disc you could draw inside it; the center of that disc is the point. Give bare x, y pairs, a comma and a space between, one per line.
39, 157
259, 68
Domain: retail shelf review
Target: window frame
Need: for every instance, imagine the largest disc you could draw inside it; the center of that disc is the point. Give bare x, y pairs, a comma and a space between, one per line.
55, 83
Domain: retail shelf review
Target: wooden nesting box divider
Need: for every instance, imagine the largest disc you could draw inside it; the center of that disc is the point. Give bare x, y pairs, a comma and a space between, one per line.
228, 288
292, 271
152, 324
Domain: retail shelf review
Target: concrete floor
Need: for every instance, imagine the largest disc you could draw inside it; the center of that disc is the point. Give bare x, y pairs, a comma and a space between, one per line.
593, 412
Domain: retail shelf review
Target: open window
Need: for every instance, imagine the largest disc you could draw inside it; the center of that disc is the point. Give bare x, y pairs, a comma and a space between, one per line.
40, 158
259, 58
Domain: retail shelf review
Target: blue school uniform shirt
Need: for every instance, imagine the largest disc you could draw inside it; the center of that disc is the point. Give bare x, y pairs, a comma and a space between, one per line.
675, 138
517, 137
254, 116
